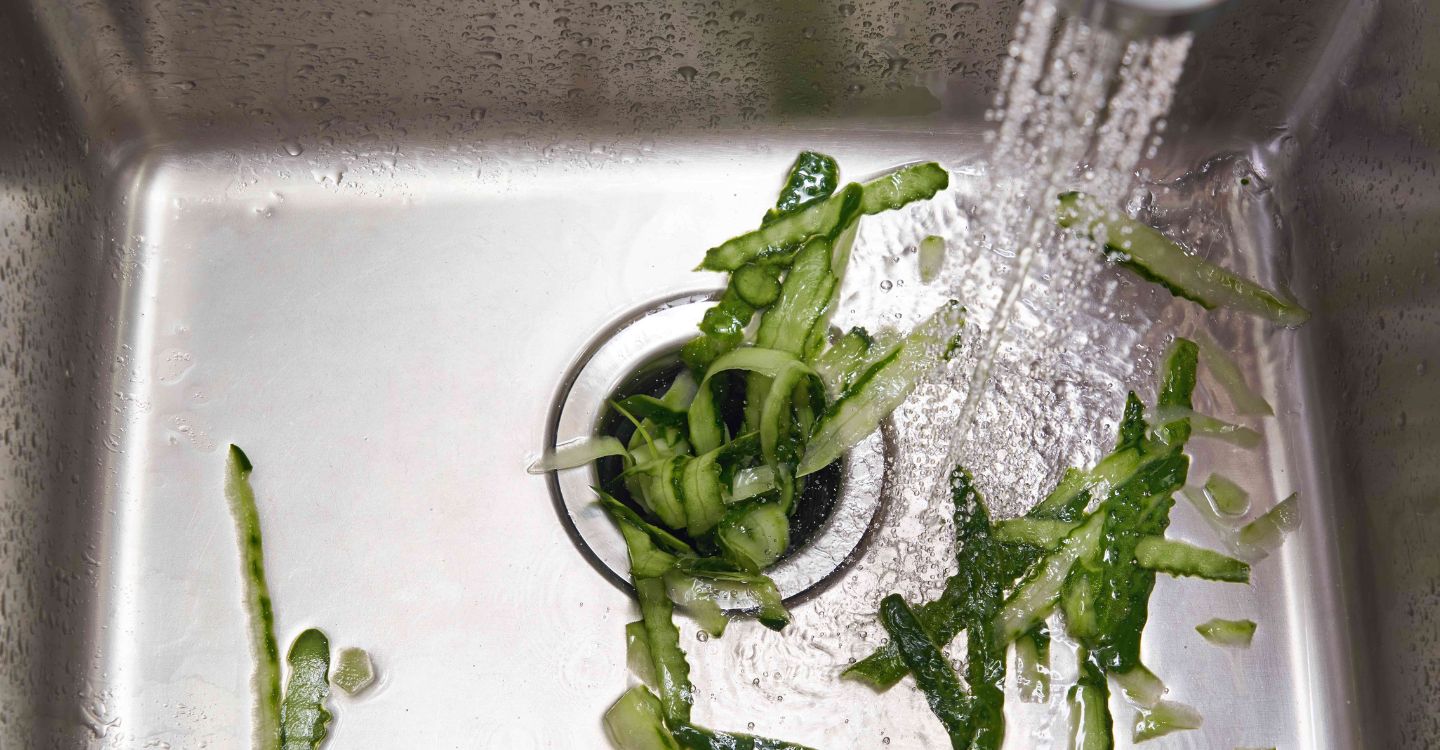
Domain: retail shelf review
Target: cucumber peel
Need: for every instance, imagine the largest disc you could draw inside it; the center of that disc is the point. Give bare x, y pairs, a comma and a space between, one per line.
1154, 257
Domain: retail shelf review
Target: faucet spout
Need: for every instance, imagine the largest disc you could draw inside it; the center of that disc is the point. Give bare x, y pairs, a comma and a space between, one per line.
1147, 17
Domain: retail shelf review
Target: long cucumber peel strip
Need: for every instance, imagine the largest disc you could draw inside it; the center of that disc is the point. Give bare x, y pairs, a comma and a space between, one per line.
754, 536
779, 240
692, 737
1120, 593
706, 431
1081, 485
303, 716
1227, 373
1039, 532
659, 537
654, 409
1178, 558
634, 722
1154, 257
265, 681
750, 592
681, 391
698, 598
1032, 665
915, 182
664, 498
1235, 633
672, 671
1107, 599
1035, 598
1089, 699
647, 559
702, 493
1205, 425
933, 673
804, 297
637, 653
577, 452
986, 567
775, 412
842, 362
802, 308
749, 482
1174, 402
842, 246
882, 388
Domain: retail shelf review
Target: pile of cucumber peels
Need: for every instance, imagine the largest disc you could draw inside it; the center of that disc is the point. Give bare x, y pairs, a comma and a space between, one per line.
1089, 550
715, 465
298, 718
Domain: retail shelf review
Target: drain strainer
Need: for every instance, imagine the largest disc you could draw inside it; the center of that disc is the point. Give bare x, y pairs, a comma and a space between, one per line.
640, 348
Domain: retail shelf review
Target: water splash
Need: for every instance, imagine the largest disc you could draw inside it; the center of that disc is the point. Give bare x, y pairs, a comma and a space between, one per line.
1078, 107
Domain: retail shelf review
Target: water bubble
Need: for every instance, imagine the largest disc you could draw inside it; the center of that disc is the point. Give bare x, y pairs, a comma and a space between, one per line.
886, 285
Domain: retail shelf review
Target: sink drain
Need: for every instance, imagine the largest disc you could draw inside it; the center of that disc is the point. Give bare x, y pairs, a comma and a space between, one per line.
641, 348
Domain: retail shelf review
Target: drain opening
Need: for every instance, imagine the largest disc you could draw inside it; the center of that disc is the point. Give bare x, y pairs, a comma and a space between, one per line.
813, 507
638, 354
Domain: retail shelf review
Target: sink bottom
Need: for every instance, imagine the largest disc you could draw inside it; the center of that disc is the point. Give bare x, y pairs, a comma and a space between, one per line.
384, 335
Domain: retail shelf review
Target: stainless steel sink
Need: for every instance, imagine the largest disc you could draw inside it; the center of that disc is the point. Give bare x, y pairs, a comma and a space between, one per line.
367, 240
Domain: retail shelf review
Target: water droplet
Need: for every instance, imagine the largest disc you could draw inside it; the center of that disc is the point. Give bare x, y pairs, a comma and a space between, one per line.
702, 636
886, 285
292, 148
687, 73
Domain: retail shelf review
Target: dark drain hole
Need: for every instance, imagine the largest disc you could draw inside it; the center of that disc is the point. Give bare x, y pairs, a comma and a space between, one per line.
817, 498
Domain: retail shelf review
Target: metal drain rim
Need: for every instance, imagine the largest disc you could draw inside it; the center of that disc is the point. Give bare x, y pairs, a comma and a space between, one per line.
613, 354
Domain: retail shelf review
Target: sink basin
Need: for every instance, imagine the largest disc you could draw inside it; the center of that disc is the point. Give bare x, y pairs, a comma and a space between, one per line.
366, 241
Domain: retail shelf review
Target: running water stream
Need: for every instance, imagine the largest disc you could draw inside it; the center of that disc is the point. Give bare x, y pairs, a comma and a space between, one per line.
1078, 108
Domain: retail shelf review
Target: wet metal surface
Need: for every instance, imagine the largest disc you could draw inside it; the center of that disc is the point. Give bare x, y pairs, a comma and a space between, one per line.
367, 242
